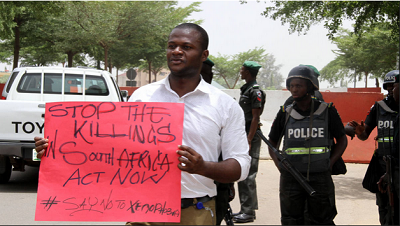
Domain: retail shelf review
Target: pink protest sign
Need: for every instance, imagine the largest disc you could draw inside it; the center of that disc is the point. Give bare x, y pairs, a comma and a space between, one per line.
111, 162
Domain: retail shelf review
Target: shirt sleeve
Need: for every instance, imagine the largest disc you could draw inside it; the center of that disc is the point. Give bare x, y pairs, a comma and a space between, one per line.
336, 127
234, 140
277, 126
370, 120
256, 98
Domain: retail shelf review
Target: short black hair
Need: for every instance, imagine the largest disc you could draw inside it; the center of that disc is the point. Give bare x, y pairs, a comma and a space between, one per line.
203, 33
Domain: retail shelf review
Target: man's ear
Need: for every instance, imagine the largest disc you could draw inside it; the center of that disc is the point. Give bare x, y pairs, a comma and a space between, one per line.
205, 55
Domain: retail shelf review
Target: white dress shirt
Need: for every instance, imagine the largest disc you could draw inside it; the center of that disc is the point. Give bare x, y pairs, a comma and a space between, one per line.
213, 122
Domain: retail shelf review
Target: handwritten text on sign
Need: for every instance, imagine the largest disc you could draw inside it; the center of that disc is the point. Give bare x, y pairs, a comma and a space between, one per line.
111, 162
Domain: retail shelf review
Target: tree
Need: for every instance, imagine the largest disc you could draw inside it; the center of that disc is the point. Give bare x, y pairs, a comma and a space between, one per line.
336, 71
65, 35
302, 14
15, 20
140, 31
371, 55
150, 45
155, 65
269, 77
126, 31
40, 56
100, 22
227, 68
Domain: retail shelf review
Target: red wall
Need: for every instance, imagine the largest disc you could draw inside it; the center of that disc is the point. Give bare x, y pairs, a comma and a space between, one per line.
359, 90
355, 106
352, 106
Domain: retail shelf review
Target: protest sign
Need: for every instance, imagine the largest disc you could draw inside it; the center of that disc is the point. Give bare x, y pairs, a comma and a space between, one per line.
111, 161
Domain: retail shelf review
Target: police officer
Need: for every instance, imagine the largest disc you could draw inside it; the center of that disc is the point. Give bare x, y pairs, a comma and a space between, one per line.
309, 127
225, 192
381, 115
395, 151
252, 100
317, 94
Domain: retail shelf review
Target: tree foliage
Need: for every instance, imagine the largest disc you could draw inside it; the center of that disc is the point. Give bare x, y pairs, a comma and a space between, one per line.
17, 23
227, 69
302, 14
269, 77
155, 64
370, 56
110, 33
150, 45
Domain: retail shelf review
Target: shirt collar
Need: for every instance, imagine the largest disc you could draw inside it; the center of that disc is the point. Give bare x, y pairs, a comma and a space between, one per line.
248, 85
203, 86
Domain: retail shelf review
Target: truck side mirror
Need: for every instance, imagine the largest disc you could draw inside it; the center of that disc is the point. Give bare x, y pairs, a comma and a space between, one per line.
124, 94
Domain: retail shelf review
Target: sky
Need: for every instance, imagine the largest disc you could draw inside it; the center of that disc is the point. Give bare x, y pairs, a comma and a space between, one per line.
234, 27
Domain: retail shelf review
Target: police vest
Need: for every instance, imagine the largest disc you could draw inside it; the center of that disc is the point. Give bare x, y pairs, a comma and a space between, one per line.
385, 119
305, 149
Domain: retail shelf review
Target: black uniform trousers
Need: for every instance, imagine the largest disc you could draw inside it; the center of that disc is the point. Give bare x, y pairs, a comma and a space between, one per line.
382, 199
248, 188
321, 208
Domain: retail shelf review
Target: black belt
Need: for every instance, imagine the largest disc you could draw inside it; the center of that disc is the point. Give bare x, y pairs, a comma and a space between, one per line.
186, 202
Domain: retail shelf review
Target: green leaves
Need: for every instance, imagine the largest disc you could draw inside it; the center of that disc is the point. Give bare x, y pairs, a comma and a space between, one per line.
372, 54
300, 15
226, 69
115, 32
370, 50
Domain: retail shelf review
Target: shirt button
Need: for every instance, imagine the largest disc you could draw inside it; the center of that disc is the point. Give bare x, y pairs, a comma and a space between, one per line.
181, 100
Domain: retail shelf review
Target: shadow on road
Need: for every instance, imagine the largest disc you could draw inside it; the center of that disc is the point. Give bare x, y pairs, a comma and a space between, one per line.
350, 188
22, 182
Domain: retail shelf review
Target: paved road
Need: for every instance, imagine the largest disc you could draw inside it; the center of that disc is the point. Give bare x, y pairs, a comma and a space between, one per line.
18, 201
356, 206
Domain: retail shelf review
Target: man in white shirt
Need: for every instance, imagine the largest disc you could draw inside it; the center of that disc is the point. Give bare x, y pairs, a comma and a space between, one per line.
213, 124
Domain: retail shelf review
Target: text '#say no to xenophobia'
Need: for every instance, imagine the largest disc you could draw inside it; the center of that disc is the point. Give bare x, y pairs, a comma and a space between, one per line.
101, 205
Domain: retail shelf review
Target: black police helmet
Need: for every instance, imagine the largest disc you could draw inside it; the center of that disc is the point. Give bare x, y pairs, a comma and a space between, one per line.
390, 78
304, 72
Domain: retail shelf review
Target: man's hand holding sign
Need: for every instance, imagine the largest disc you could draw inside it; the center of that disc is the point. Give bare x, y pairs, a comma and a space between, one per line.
104, 161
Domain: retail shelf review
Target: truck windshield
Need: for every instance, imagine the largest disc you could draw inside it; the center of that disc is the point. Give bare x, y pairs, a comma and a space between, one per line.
31, 83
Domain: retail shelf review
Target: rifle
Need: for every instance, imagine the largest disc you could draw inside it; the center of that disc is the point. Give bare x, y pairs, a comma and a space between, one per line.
288, 166
228, 216
389, 189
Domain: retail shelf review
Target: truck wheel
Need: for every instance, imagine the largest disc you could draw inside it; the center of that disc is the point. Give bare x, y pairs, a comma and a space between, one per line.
5, 169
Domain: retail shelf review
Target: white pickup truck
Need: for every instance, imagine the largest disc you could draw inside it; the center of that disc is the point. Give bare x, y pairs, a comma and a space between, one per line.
22, 112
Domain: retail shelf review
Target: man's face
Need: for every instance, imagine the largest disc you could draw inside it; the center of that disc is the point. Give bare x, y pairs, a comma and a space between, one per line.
243, 72
184, 53
389, 88
298, 88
